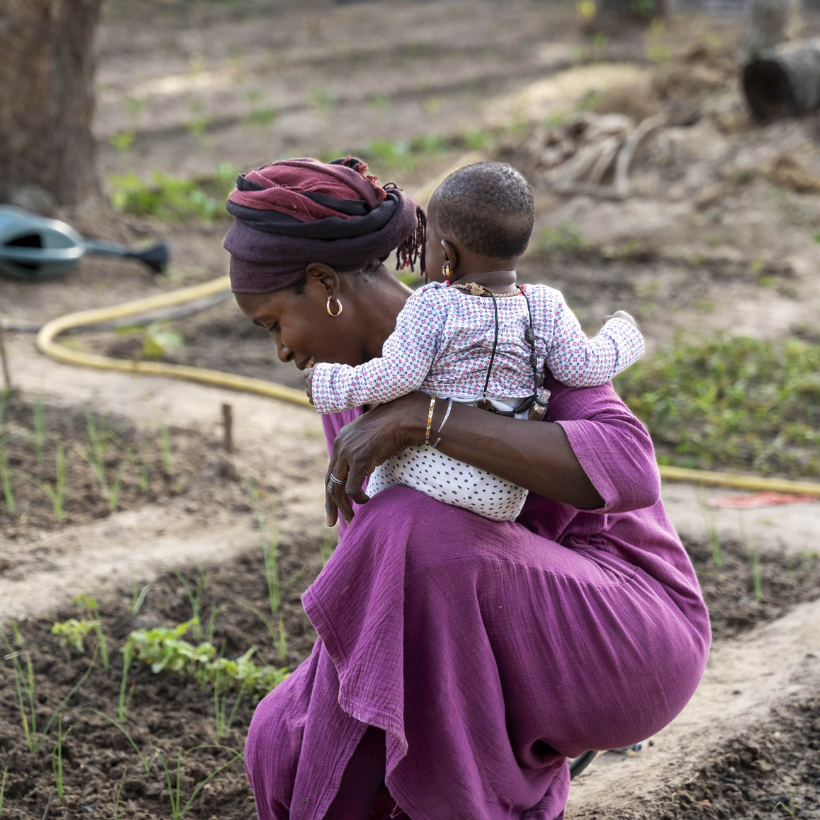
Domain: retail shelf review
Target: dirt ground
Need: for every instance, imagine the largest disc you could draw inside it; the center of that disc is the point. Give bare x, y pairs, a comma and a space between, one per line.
716, 236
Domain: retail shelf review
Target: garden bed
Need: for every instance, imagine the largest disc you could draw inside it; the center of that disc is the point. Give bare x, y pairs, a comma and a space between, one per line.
64, 466
174, 713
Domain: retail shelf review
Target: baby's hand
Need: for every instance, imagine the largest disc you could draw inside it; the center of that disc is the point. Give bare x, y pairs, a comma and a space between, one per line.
621, 314
309, 383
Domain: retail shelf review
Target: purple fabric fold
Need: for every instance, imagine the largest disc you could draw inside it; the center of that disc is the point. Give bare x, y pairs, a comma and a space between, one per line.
488, 652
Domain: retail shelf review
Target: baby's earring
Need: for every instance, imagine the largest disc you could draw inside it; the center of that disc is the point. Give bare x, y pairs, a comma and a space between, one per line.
447, 271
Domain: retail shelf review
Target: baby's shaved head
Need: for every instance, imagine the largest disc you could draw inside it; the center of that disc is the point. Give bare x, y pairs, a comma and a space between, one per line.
488, 206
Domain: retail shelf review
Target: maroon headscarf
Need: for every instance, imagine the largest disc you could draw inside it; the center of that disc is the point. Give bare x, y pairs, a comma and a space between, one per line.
294, 212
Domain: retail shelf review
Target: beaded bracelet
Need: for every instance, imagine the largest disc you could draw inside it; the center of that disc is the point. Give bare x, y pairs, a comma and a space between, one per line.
430, 419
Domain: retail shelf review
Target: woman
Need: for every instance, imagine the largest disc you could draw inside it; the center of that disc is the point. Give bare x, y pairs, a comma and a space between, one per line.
459, 660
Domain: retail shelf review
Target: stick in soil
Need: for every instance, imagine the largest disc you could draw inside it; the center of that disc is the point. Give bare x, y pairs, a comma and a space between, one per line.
227, 428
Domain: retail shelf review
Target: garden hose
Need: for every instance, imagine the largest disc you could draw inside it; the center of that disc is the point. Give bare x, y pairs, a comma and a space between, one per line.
49, 332
47, 345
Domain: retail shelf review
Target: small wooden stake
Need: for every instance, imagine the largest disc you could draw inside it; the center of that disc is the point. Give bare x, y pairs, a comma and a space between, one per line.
4, 359
227, 428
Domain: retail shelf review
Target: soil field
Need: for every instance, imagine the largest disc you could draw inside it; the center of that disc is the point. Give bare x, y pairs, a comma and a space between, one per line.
173, 713
717, 236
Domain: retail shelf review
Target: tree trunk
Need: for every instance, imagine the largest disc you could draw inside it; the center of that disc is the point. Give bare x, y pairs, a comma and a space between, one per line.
47, 66
784, 82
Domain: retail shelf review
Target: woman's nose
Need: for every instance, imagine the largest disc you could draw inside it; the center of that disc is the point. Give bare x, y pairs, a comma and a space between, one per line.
285, 354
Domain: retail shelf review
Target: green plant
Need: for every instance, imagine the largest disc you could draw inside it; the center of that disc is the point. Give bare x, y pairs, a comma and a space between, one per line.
328, 547
159, 340
223, 720
146, 761
119, 795
123, 702
5, 473
26, 697
565, 238
791, 809
194, 598
260, 116
735, 402
711, 530
138, 598
165, 448
3, 789
165, 650
55, 493
86, 602
270, 550
172, 198
73, 633
57, 757
283, 641
174, 791
39, 428
123, 140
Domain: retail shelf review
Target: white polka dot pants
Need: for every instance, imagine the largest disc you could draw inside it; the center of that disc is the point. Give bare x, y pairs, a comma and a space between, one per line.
450, 481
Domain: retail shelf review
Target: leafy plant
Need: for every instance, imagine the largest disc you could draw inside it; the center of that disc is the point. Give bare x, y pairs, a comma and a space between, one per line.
565, 238
86, 602
73, 633
165, 650
159, 340
731, 402
223, 720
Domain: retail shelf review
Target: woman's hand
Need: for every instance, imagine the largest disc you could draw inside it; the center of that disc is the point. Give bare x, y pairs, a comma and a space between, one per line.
367, 442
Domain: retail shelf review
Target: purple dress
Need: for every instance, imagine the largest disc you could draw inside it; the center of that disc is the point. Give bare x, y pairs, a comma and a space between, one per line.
490, 651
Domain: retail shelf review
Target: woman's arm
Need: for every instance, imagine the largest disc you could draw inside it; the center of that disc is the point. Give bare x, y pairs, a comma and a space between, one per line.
536, 456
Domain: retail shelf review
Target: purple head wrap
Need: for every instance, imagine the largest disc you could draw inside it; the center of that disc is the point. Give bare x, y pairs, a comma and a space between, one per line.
291, 213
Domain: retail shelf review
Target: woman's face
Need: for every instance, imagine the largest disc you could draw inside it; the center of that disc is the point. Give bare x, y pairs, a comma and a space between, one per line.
302, 329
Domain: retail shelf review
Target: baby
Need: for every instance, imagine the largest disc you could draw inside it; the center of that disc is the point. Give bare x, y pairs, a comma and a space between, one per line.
473, 335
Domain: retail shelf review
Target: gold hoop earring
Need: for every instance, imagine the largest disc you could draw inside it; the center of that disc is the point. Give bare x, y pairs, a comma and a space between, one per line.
447, 270
338, 302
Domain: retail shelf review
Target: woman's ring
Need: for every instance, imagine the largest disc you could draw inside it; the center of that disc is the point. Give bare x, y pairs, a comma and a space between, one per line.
336, 480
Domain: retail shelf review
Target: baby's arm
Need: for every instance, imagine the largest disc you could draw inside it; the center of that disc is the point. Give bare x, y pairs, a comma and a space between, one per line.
405, 362
580, 362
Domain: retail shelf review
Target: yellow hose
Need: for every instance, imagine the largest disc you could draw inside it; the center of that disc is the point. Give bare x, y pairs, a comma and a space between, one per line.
47, 345
49, 332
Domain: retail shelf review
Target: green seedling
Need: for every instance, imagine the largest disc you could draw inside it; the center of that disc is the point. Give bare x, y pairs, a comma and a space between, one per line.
223, 720
119, 795
711, 529
3, 789
791, 809
195, 598
55, 492
57, 757
86, 602
145, 760
73, 633
165, 448
215, 610
753, 556
123, 702
174, 791
138, 598
5, 473
26, 698
328, 547
283, 641
270, 551
39, 428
